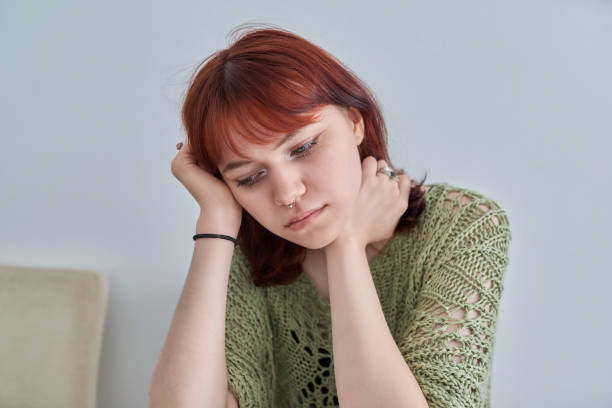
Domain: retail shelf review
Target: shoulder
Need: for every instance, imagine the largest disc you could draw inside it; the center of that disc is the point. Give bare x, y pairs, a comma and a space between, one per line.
456, 215
449, 200
240, 265
240, 276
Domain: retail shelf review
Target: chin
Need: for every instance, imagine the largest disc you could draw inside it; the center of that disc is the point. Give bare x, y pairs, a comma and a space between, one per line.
317, 241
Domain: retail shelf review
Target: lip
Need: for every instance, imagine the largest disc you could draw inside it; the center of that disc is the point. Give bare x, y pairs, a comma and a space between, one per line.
303, 219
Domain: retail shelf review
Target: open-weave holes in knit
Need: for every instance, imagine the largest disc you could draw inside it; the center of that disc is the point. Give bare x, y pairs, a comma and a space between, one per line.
439, 287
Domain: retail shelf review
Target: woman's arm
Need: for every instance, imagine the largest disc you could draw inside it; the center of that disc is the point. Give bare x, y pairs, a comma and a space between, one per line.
369, 368
450, 338
191, 370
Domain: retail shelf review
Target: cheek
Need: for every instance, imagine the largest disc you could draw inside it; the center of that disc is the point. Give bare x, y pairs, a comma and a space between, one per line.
249, 203
340, 174
258, 212
242, 199
353, 175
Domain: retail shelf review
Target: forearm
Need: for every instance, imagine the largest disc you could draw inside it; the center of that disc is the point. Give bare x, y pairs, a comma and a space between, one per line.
369, 368
191, 371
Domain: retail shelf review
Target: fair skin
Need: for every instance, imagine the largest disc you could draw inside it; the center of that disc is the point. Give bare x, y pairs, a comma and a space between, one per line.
315, 265
361, 209
360, 212
331, 175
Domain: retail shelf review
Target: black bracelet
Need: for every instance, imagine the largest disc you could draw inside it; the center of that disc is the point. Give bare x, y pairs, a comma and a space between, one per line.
196, 236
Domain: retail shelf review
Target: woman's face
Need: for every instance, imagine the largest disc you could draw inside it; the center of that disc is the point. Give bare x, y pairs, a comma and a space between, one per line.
319, 167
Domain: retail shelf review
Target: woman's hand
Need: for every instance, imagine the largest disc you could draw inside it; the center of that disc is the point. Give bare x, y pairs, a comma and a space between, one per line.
217, 204
379, 205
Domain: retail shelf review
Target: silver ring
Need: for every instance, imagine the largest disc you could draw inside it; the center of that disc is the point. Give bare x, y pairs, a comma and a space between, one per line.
179, 145
387, 170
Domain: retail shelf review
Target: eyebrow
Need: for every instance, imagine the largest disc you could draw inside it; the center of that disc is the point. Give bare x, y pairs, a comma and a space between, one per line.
241, 163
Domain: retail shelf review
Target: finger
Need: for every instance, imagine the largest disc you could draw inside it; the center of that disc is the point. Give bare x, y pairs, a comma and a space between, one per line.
404, 186
368, 166
379, 165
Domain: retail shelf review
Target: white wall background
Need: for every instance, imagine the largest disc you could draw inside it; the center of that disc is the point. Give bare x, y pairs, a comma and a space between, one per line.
509, 98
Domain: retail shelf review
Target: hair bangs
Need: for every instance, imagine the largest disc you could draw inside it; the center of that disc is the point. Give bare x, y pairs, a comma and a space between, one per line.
249, 120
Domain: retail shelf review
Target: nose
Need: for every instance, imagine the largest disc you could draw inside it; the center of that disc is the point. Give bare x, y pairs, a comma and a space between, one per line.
287, 186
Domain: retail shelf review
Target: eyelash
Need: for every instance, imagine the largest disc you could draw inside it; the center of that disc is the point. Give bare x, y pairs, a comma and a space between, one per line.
250, 181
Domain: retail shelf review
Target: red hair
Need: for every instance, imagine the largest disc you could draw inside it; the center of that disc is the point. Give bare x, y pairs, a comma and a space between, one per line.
267, 83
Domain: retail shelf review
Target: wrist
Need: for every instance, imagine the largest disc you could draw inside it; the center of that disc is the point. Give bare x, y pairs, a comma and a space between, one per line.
220, 236
343, 243
207, 226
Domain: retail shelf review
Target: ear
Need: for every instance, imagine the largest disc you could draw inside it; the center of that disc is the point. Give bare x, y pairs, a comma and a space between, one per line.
358, 126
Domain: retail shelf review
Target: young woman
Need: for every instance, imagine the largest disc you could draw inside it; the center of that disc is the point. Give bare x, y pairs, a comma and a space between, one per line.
320, 275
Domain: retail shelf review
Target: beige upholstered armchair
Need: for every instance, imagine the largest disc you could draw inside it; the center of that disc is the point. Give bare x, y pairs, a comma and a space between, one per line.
51, 325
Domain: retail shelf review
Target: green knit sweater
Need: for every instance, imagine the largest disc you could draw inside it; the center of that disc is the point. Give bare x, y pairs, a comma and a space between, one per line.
439, 285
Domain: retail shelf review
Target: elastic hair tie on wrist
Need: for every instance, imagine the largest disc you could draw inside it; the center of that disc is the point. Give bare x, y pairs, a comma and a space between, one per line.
196, 236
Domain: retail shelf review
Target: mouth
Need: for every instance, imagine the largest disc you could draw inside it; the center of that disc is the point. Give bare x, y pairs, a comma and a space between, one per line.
303, 216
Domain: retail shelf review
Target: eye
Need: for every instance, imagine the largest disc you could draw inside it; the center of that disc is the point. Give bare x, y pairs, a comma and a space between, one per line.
247, 182
300, 152
305, 149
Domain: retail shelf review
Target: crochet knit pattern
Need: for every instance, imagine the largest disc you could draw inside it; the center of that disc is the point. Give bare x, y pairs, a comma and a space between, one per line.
439, 285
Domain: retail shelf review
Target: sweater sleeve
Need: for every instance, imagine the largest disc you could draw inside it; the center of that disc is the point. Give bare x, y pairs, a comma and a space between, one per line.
248, 339
449, 341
